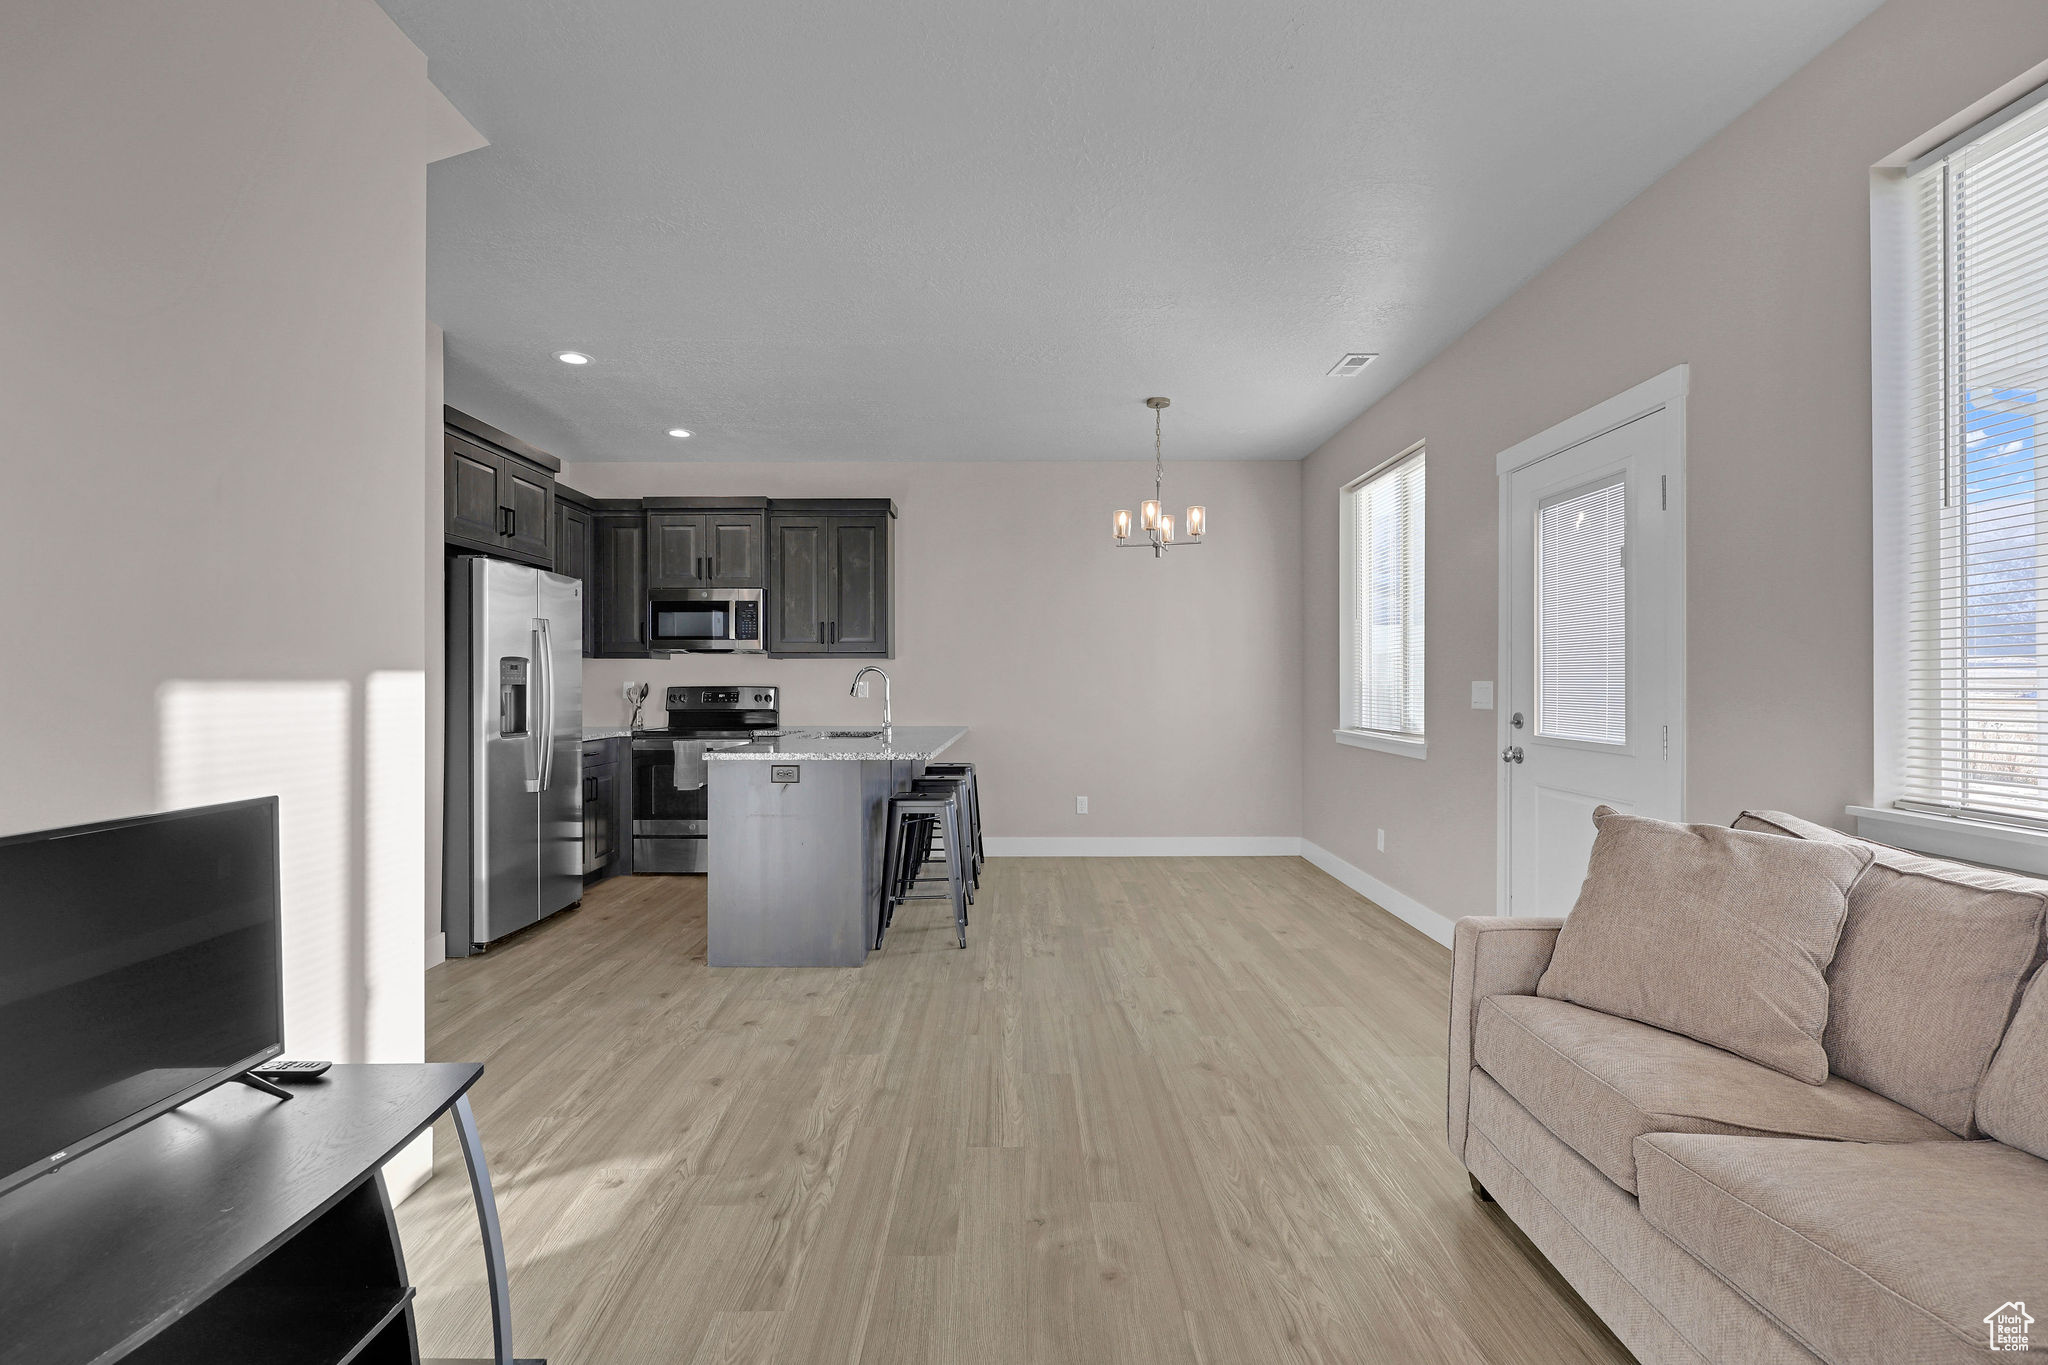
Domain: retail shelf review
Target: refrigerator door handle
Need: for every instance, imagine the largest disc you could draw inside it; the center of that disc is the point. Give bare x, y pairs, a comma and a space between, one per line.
544, 733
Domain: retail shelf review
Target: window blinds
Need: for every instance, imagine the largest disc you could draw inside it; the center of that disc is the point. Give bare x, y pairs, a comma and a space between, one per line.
1976, 501
1582, 616
1386, 600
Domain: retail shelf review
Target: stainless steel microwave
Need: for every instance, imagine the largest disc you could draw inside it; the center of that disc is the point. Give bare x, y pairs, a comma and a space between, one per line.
706, 621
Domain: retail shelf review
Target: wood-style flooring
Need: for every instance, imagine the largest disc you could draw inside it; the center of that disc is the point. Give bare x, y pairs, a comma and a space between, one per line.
1161, 1110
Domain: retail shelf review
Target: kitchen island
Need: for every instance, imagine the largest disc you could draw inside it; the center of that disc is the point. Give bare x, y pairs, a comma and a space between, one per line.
796, 823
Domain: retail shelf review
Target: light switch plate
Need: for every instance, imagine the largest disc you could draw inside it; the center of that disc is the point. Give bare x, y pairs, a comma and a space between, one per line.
1482, 696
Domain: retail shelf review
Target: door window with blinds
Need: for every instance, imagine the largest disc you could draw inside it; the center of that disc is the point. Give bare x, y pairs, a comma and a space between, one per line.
1381, 579
1975, 502
1582, 615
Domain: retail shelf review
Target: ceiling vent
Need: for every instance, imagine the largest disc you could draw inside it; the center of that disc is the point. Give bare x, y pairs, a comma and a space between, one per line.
1350, 365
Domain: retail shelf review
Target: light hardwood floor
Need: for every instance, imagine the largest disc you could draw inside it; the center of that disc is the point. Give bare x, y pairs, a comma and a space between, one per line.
1159, 1111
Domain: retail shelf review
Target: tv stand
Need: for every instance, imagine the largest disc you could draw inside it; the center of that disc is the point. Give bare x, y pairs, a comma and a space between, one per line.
256, 1082
234, 1229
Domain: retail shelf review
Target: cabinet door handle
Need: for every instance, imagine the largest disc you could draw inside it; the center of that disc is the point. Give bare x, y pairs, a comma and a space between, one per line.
834, 628
821, 632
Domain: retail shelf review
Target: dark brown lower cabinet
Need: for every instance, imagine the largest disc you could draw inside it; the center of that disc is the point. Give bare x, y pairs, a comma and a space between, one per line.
600, 799
607, 813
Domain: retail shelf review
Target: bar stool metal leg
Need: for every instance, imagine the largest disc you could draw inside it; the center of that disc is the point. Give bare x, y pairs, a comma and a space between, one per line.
956, 871
892, 872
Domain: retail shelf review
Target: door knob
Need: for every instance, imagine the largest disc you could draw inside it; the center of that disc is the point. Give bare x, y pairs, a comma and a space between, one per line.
1511, 754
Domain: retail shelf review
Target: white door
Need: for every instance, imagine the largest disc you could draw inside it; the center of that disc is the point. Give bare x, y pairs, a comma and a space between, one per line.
1594, 638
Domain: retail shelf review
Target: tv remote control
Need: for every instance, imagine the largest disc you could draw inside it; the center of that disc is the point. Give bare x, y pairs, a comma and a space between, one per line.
288, 1072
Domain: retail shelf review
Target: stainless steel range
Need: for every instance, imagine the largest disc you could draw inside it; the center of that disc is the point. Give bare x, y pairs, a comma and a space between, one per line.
669, 812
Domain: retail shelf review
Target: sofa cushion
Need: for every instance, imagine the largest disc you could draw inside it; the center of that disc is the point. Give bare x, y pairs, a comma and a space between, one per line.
1641, 1283
1723, 935
2012, 1104
1932, 958
1599, 1082
1864, 1253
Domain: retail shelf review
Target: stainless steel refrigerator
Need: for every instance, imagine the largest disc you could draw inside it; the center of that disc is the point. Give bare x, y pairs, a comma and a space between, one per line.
514, 829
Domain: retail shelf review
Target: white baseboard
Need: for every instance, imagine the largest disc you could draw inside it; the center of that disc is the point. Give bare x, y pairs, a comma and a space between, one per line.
1399, 904
437, 949
1169, 846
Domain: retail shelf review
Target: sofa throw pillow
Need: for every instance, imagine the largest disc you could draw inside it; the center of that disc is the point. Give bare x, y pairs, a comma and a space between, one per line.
2012, 1104
1931, 963
1723, 935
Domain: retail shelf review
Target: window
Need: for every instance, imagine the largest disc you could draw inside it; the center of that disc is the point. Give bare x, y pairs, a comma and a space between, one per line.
1971, 736
1582, 615
1380, 647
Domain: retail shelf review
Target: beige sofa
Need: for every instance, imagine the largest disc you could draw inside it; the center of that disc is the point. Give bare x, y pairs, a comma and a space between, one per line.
1711, 1209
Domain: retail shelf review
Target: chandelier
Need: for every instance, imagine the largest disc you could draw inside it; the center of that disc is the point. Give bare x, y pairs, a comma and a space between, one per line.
1155, 525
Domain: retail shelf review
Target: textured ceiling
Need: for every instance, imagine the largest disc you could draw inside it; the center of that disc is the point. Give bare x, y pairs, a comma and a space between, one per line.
965, 230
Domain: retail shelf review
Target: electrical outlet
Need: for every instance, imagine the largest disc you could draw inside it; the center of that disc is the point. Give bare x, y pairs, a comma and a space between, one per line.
1383, 841
1080, 805
629, 689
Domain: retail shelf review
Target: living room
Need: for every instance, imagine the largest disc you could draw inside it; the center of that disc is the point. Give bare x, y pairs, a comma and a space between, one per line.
1577, 691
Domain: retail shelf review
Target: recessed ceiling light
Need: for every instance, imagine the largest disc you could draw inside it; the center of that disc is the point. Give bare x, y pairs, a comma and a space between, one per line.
1352, 364
572, 357
679, 433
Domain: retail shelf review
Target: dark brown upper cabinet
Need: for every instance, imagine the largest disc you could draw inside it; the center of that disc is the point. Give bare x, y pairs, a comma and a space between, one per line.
800, 584
475, 506
860, 585
691, 544
676, 553
529, 513
829, 585
574, 550
499, 492
619, 564
739, 548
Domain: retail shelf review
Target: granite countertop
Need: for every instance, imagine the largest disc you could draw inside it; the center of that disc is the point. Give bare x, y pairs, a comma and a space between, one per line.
609, 732
817, 743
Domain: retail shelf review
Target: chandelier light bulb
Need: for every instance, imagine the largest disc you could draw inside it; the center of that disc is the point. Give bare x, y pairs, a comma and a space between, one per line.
1148, 514
1166, 530
1123, 523
1197, 516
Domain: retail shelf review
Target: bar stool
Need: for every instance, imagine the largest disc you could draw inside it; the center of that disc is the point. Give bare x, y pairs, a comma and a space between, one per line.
966, 770
914, 817
931, 832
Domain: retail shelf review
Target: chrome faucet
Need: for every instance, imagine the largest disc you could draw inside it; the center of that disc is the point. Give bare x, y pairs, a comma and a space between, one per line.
855, 690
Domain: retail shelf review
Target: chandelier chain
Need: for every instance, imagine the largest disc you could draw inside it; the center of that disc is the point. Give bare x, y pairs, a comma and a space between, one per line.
1158, 459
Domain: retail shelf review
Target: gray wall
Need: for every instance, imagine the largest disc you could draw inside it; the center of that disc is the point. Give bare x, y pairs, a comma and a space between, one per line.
1750, 262
212, 270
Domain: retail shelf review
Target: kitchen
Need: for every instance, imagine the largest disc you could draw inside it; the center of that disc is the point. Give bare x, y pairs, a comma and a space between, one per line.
540, 802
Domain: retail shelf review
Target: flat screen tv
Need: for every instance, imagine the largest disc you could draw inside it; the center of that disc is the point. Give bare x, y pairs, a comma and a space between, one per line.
139, 966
